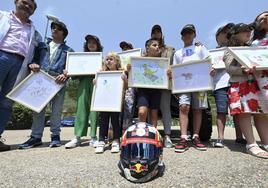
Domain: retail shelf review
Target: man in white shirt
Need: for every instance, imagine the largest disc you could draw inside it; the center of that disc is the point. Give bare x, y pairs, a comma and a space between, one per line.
198, 100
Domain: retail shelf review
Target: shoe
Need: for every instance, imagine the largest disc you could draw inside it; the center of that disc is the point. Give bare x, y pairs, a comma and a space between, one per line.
73, 143
241, 141
264, 147
182, 146
93, 142
55, 141
255, 150
4, 147
219, 143
198, 145
168, 142
100, 148
32, 142
115, 147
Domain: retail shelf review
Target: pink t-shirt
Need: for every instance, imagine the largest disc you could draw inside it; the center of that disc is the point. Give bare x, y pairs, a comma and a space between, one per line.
17, 40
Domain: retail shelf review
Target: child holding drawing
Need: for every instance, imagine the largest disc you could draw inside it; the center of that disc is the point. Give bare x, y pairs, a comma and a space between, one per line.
111, 63
84, 94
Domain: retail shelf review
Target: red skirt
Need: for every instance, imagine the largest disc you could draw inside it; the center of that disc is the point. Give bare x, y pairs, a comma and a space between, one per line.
247, 97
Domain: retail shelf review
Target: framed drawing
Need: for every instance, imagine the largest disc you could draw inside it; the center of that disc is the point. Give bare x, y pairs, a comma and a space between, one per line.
217, 58
35, 91
148, 72
108, 92
191, 77
83, 63
251, 56
125, 56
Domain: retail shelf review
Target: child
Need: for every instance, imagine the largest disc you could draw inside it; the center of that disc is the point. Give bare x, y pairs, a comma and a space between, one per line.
148, 100
244, 92
84, 94
198, 100
112, 63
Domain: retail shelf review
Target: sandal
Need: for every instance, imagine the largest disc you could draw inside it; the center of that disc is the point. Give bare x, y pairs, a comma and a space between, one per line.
255, 150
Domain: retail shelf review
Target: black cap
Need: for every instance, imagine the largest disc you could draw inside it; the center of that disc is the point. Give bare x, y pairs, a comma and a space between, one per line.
226, 28
60, 25
187, 28
89, 36
125, 44
237, 28
156, 27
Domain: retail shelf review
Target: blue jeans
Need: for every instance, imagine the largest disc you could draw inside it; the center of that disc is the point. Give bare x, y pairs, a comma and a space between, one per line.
9, 68
55, 117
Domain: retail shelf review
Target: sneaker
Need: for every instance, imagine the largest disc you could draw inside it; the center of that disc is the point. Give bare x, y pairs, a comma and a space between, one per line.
198, 145
115, 147
100, 148
241, 141
73, 143
32, 142
55, 141
4, 147
219, 143
168, 142
182, 146
93, 142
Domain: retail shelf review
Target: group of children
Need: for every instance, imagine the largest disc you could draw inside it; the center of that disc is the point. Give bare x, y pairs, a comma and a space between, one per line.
235, 91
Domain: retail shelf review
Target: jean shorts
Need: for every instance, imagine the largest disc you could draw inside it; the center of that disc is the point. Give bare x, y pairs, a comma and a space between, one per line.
221, 100
198, 100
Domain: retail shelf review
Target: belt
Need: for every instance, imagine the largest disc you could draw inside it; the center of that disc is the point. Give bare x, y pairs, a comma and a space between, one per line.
17, 56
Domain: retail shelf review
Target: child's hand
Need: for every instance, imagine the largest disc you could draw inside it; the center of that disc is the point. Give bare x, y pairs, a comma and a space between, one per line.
124, 77
65, 72
94, 81
34, 67
212, 72
60, 79
128, 67
169, 74
248, 71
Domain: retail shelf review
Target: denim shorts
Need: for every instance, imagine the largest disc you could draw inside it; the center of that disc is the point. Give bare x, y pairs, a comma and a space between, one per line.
198, 100
150, 98
221, 100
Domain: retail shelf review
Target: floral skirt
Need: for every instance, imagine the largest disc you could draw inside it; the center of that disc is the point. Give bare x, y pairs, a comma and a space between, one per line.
250, 96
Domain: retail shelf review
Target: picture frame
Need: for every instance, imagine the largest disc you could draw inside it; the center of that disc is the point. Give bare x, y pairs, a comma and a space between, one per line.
192, 76
125, 56
251, 56
108, 92
35, 91
83, 63
216, 56
149, 72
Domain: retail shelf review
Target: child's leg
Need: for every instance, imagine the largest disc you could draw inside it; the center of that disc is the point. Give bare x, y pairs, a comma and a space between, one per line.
154, 117
104, 125
261, 124
221, 119
184, 120
143, 110
238, 132
116, 125
246, 127
197, 120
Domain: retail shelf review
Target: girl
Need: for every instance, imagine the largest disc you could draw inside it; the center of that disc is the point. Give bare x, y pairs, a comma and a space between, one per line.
244, 92
84, 94
112, 63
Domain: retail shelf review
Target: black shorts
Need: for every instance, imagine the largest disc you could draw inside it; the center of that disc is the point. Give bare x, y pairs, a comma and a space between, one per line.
149, 97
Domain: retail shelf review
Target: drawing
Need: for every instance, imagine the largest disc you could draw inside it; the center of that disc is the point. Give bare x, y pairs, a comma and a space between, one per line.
149, 72
125, 56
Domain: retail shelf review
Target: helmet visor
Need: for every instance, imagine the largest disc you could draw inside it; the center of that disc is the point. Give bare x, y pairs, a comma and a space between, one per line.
140, 151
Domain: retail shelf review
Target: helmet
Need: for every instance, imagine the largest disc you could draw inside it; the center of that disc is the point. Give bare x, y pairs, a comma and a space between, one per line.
141, 153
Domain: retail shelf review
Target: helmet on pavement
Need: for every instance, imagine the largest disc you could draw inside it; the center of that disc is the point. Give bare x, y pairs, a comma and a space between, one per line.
141, 153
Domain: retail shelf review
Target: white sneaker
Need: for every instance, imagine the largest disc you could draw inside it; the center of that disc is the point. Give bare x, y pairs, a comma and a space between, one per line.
73, 143
93, 142
168, 142
115, 147
100, 147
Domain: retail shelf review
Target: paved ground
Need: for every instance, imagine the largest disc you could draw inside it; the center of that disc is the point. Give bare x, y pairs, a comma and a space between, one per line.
80, 167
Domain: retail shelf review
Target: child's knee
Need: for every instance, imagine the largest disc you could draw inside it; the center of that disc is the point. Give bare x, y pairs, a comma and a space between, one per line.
184, 109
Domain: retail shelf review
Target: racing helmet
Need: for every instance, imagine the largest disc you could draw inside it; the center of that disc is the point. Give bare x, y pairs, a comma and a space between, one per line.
141, 153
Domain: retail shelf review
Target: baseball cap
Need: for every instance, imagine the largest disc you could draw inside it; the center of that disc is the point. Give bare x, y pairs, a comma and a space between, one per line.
187, 28
60, 25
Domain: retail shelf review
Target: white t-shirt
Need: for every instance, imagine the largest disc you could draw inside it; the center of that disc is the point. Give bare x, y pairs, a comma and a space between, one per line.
53, 48
190, 53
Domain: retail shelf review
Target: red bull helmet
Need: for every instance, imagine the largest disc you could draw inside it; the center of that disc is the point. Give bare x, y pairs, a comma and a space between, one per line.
141, 153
